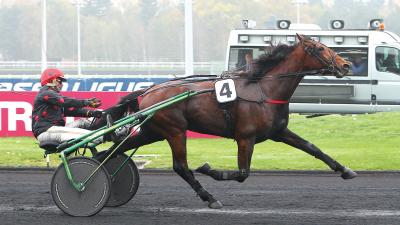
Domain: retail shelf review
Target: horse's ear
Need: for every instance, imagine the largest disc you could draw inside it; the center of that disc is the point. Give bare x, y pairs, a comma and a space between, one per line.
300, 36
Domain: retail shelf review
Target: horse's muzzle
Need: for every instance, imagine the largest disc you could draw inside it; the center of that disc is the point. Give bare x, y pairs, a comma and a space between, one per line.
345, 68
343, 71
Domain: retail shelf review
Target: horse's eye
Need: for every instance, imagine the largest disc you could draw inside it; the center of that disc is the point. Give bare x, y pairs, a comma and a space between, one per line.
320, 49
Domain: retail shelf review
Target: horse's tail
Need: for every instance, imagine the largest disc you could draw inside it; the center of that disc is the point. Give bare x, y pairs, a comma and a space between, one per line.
126, 105
131, 101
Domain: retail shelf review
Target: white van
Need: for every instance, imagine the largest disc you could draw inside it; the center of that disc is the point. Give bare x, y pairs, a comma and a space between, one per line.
372, 87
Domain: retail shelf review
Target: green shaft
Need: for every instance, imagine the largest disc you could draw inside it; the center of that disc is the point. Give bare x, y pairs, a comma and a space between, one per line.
132, 119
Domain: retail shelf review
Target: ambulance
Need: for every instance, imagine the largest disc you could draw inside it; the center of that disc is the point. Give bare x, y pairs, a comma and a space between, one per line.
372, 85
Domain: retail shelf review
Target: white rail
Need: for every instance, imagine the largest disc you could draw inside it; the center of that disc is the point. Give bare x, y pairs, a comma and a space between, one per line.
73, 64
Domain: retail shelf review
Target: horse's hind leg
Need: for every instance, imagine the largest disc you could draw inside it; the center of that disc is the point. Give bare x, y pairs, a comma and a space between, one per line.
245, 151
290, 138
178, 146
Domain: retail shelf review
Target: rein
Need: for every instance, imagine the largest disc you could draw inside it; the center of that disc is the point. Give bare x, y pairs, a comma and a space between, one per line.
184, 81
313, 51
305, 73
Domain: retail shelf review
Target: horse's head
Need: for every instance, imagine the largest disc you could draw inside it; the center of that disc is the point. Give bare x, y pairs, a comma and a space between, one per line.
323, 57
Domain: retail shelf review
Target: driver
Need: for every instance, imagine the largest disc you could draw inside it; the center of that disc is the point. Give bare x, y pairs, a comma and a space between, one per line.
50, 107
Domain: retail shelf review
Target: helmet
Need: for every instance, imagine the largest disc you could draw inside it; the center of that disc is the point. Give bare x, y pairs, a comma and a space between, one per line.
50, 74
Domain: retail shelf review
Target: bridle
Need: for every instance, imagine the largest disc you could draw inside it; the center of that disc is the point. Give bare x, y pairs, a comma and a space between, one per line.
315, 51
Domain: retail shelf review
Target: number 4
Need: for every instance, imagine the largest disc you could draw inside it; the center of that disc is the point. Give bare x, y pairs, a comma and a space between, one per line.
225, 90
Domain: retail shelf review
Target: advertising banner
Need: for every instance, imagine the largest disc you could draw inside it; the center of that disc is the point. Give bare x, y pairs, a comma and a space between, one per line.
17, 96
16, 109
89, 84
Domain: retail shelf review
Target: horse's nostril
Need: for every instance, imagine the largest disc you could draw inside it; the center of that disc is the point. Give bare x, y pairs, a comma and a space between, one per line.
346, 67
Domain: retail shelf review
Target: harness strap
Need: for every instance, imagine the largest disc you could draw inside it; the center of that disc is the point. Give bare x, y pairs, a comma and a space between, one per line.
278, 102
225, 108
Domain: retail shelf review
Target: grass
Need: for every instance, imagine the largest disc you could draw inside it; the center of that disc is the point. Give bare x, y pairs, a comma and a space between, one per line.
362, 142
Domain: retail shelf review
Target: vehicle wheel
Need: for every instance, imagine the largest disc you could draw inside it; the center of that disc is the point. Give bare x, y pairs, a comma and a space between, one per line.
125, 183
81, 203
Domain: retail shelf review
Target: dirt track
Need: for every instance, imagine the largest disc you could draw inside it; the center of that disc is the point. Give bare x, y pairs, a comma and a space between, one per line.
262, 199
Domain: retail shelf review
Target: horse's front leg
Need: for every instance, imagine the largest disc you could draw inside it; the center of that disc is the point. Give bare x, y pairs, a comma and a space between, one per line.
178, 146
245, 151
290, 138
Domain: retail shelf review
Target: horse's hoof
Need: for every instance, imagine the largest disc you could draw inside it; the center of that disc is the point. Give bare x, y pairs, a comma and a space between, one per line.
348, 174
215, 205
204, 168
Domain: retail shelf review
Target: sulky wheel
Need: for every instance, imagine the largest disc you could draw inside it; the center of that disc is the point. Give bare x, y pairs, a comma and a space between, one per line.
125, 182
87, 202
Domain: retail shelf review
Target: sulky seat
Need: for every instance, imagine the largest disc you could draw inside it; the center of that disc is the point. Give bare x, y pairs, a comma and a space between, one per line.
50, 146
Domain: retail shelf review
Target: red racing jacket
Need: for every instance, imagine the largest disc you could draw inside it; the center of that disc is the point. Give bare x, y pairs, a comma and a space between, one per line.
50, 108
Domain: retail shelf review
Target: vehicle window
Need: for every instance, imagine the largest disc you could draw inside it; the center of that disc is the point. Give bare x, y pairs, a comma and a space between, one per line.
241, 58
358, 57
387, 59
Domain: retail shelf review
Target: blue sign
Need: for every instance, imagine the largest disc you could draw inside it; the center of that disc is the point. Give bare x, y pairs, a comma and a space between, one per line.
89, 84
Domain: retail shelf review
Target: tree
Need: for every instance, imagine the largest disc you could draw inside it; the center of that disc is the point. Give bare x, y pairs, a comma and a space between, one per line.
96, 7
167, 36
29, 40
213, 20
153, 30
8, 23
148, 9
61, 31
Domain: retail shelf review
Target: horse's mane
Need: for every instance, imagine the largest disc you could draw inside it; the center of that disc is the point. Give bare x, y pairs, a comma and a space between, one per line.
266, 62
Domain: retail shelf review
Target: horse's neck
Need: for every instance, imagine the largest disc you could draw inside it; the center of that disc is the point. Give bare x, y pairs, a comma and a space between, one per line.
284, 87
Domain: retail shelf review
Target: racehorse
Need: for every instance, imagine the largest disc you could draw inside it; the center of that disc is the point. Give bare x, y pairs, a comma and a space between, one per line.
260, 112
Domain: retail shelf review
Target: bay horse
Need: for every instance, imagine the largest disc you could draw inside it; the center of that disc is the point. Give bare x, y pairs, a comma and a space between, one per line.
260, 112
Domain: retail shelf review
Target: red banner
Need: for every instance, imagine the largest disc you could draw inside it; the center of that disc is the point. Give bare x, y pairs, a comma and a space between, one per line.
16, 110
